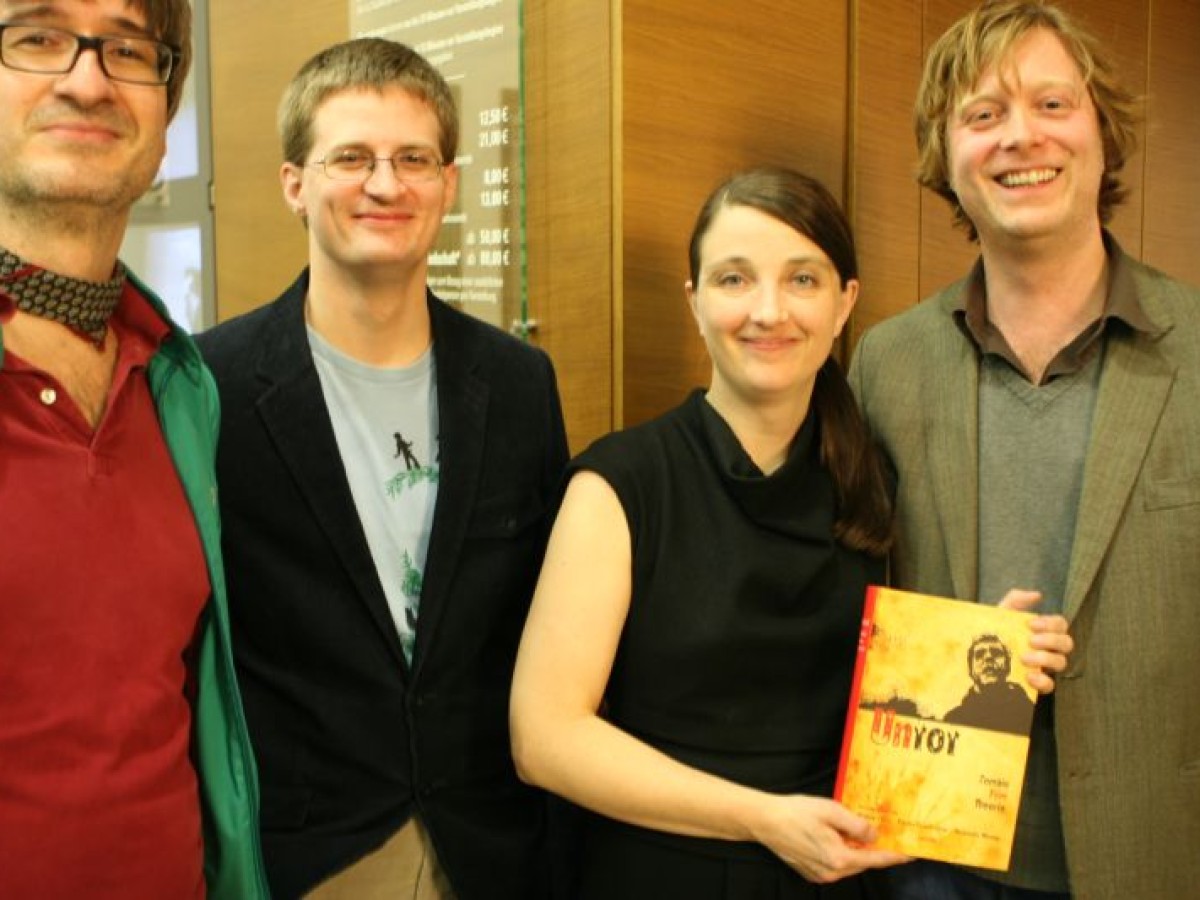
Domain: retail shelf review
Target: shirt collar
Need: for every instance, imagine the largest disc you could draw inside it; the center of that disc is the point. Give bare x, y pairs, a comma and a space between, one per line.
1122, 304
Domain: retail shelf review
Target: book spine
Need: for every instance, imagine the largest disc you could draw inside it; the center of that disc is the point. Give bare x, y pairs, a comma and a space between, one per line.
860, 665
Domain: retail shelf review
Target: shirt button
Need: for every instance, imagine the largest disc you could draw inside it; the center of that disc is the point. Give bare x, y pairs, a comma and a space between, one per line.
48, 396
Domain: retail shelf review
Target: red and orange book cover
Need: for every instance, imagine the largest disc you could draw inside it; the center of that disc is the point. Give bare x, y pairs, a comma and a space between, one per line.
937, 733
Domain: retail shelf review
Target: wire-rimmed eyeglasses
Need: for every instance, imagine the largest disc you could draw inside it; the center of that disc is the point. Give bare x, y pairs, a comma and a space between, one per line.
412, 164
55, 51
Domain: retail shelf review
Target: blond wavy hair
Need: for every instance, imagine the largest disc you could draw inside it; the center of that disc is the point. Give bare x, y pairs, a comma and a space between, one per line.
987, 36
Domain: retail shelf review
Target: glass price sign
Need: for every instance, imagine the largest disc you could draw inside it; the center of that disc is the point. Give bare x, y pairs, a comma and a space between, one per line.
477, 264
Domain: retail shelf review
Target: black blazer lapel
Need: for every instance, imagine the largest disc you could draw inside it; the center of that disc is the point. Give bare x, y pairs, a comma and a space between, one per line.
293, 411
462, 417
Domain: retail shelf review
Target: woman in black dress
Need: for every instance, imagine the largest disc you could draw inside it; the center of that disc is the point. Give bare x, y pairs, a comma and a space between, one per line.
686, 666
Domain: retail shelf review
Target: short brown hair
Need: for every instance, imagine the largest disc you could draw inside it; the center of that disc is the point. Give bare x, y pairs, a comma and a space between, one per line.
170, 21
987, 35
371, 63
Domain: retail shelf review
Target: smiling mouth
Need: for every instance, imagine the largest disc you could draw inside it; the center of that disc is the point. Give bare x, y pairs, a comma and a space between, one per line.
82, 131
1028, 178
769, 344
389, 217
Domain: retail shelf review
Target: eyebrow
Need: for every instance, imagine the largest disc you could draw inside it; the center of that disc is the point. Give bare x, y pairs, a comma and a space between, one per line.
366, 146
1010, 85
51, 12
808, 260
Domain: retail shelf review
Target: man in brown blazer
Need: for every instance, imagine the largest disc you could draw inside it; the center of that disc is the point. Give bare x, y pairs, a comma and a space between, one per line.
1043, 415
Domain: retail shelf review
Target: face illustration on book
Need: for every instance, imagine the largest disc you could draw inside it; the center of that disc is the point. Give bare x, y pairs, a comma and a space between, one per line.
993, 701
990, 661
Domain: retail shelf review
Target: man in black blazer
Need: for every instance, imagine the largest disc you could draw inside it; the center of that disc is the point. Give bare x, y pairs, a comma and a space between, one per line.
376, 619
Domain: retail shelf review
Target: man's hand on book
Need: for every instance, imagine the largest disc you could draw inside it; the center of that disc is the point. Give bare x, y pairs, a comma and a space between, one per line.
821, 839
1049, 643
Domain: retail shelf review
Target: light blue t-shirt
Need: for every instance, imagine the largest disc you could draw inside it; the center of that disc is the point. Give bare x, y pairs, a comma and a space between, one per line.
386, 424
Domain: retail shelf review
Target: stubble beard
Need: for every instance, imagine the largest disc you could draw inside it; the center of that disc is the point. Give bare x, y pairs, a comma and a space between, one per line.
72, 202
75, 186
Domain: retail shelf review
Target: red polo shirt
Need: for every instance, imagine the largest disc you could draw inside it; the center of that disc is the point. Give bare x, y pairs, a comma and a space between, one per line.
102, 580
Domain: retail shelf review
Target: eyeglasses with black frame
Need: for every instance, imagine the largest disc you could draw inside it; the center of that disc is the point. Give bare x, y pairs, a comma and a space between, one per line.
55, 51
410, 165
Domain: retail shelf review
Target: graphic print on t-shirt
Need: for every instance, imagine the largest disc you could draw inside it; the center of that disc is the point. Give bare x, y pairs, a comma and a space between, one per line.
404, 448
413, 474
410, 587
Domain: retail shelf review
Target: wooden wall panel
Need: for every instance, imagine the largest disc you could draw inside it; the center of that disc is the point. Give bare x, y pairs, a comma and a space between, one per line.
569, 157
884, 197
256, 49
708, 88
1172, 176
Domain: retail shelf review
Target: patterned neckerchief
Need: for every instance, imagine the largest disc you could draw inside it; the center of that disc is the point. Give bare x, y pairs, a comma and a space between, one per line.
83, 306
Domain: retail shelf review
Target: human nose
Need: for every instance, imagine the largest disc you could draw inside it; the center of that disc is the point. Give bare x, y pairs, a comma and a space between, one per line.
1020, 128
389, 182
768, 307
86, 80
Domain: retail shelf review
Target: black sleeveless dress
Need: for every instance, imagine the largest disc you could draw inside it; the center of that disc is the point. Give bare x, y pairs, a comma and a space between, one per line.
739, 647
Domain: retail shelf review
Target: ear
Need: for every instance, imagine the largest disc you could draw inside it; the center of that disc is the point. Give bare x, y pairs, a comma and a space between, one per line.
849, 296
291, 179
450, 176
689, 291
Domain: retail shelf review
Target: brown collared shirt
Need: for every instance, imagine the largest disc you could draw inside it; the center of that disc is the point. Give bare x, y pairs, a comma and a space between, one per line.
1121, 306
